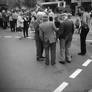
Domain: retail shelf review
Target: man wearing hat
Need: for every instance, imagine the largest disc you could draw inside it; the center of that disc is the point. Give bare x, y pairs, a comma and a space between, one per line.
47, 31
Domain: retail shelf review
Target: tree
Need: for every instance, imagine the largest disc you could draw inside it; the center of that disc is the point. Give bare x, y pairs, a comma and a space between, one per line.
30, 3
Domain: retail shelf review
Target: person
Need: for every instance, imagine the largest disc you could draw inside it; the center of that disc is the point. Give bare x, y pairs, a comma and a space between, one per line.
11, 23
1, 20
84, 31
26, 26
47, 34
4, 17
39, 44
20, 22
67, 29
15, 16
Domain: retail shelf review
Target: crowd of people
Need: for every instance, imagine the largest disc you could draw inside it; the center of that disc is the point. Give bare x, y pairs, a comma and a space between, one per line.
49, 28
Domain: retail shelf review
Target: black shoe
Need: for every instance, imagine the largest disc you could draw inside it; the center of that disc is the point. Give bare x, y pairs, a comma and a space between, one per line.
43, 57
40, 59
47, 63
62, 62
82, 54
68, 61
53, 64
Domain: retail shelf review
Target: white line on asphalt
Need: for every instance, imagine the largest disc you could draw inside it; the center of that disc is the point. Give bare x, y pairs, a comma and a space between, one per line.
61, 87
17, 37
30, 37
75, 74
89, 40
7, 36
87, 63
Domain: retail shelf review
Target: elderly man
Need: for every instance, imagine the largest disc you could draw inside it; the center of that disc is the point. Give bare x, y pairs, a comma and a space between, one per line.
65, 38
48, 36
39, 44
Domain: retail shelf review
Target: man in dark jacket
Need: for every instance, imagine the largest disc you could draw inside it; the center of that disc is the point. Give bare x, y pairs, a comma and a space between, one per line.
65, 38
26, 26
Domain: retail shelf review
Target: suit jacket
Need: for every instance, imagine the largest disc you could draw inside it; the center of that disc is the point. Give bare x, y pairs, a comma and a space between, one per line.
47, 32
68, 28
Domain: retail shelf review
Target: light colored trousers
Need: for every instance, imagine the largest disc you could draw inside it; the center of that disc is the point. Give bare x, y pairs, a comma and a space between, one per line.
65, 45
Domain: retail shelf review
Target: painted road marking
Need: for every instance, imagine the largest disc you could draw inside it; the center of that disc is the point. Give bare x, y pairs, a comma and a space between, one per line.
62, 87
7, 36
87, 63
89, 40
75, 74
17, 37
30, 37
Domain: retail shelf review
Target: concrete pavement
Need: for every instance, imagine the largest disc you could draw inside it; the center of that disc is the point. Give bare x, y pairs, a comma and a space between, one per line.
20, 72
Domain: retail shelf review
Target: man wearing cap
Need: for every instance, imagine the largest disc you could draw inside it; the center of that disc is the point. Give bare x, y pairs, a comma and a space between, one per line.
65, 39
48, 36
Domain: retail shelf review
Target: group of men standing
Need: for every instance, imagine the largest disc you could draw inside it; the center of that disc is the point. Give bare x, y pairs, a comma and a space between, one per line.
47, 33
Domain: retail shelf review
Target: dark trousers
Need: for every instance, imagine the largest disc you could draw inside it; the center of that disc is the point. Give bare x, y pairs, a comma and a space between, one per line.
1, 22
4, 24
39, 45
83, 36
11, 26
52, 48
25, 32
14, 24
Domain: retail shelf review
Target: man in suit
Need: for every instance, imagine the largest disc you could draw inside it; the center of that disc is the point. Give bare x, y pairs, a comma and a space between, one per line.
39, 44
26, 26
48, 36
67, 30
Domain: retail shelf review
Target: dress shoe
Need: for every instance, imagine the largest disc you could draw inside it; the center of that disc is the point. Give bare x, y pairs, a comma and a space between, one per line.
46, 63
40, 59
82, 54
62, 62
68, 61
53, 64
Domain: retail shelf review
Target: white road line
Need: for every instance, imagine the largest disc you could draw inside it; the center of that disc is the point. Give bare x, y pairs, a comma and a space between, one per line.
87, 63
61, 87
30, 37
89, 40
17, 37
75, 74
7, 36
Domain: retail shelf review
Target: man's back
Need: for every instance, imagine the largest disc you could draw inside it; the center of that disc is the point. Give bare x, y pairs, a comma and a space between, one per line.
68, 28
49, 31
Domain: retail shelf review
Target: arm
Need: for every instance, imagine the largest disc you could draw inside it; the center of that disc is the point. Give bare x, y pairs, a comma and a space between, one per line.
41, 34
54, 27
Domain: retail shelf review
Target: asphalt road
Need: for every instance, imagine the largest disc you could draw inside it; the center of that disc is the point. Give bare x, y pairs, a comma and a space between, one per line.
20, 72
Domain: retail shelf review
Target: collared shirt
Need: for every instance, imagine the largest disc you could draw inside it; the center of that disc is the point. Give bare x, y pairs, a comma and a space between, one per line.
86, 18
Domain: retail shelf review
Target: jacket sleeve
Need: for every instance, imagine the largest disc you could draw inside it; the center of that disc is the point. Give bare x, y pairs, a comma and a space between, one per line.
41, 34
72, 27
61, 30
54, 27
